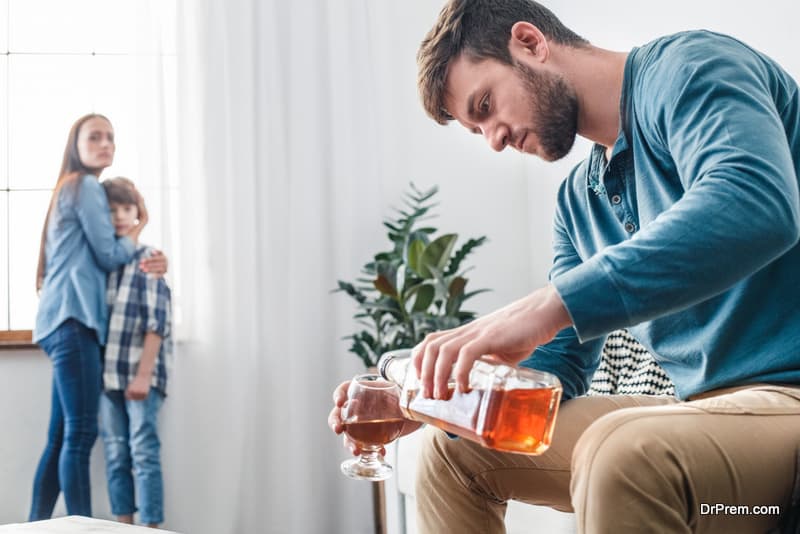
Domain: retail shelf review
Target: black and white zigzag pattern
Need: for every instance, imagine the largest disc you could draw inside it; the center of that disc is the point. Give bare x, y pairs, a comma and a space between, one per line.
628, 369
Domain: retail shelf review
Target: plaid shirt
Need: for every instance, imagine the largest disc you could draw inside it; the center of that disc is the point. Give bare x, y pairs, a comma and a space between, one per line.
138, 304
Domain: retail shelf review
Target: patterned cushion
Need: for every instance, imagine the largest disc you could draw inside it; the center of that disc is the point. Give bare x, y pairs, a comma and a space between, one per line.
628, 369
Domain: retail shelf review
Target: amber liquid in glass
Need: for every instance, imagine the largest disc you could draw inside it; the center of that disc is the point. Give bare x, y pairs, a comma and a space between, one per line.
378, 432
516, 420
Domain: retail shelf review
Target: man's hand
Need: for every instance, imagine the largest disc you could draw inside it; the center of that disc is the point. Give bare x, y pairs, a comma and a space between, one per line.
138, 389
336, 424
156, 264
509, 335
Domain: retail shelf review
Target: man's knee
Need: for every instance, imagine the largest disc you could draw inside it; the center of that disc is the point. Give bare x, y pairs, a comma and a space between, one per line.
620, 451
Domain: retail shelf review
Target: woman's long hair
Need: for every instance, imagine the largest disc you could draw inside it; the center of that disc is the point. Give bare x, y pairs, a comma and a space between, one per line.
71, 169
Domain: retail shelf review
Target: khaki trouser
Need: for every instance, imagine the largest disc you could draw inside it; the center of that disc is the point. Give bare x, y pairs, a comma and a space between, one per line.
628, 464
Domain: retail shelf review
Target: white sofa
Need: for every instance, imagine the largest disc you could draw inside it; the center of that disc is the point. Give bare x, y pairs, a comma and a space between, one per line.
401, 504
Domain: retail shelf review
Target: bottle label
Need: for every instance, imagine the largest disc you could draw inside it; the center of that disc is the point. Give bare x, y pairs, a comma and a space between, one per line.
461, 410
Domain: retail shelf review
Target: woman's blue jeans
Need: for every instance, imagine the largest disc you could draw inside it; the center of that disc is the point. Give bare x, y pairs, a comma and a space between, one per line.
64, 466
133, 454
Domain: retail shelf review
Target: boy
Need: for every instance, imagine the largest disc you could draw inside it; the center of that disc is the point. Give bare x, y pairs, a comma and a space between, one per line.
134, 373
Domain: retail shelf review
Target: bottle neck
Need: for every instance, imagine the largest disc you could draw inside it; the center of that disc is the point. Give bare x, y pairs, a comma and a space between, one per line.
393, 365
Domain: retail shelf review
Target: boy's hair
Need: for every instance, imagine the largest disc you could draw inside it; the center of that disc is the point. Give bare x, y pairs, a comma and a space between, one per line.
481, 29
120, 190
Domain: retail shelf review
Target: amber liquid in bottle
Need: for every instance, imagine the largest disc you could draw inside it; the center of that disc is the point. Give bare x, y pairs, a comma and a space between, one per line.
516, 420
378, 432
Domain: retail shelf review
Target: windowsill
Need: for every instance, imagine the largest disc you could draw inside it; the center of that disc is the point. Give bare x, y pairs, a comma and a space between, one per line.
23, 340
16, 339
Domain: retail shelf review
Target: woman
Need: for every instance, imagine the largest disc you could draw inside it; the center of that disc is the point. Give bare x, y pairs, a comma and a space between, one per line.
78, 249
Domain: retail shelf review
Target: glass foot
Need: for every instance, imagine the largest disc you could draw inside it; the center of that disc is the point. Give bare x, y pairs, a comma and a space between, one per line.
367, 469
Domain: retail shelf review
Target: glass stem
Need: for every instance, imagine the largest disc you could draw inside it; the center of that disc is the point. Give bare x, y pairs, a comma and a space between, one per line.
370, 456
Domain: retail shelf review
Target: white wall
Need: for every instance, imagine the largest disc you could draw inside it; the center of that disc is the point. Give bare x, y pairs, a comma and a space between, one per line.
25, 397
25, 377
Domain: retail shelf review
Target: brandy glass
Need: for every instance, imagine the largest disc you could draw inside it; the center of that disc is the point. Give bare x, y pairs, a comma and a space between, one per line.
372, 418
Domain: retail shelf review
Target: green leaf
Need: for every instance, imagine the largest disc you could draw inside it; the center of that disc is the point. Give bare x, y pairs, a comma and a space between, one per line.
439, 283
411, 289
424, 298
423, 196
415, 250
465, 316
419, 212
367, 338
415, 287
373, 307
359, 348
462, 253
351, 290
416, 235
476, 292
364, 323
437, 254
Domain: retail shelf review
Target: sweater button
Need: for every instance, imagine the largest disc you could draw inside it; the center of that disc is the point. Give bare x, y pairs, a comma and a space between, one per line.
630, 227
616, 199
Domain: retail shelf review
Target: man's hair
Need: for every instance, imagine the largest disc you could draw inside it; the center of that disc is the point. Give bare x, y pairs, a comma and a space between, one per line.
121, 191
481, 29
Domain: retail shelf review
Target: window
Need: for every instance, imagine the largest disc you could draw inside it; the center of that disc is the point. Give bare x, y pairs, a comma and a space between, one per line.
115, 57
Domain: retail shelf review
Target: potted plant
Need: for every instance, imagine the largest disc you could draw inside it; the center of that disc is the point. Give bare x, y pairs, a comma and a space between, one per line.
416, 287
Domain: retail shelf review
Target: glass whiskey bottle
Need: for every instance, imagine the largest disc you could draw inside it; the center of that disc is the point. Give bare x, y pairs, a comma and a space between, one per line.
507, 408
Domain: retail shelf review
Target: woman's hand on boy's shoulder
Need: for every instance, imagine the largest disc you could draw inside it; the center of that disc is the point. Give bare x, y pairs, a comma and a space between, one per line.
156, 264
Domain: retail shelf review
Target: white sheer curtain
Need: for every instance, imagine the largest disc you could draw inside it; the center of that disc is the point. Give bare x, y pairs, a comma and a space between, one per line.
278, 146
300, 127
153, 119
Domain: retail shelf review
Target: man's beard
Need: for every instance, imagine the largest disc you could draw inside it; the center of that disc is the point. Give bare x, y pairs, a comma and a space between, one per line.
555, 107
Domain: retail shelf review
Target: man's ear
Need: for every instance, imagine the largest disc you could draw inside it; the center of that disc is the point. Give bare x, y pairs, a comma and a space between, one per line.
527, 41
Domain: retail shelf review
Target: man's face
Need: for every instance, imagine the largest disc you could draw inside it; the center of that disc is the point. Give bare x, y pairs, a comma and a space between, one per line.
533, 111
96, 143
123, 217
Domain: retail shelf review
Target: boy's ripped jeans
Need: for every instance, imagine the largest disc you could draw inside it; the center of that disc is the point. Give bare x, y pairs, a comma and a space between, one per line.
133, 455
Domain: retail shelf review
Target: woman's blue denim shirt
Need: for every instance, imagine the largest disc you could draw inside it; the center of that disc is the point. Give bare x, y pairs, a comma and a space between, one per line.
80, 250
688, 235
